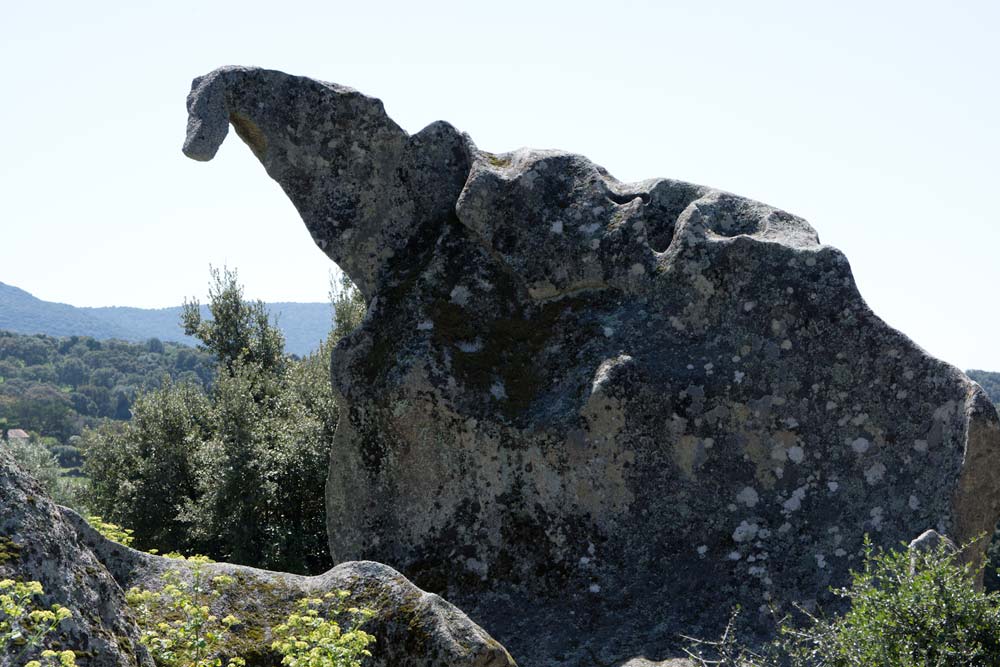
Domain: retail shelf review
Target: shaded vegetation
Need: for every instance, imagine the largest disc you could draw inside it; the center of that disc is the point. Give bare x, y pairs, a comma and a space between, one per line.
238, 471
903, 609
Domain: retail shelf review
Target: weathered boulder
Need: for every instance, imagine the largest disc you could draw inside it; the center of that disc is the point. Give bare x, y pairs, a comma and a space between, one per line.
412, 628
80, 569
36, 544
597, 413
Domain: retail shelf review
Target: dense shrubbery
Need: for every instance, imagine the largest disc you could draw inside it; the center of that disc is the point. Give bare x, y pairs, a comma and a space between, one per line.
238, 472
58, 386
905, 609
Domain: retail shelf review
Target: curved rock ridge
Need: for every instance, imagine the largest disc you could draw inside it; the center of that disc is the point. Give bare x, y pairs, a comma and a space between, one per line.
82, 570
593, 413
412, 628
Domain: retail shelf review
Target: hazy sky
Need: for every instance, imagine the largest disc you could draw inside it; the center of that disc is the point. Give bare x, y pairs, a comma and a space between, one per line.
877, 121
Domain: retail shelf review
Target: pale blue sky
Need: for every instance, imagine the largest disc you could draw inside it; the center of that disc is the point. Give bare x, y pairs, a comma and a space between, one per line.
877, 121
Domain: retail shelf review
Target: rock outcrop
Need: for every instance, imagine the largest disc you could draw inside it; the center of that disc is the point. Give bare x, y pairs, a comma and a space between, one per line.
82, 570
597, 413
38, 545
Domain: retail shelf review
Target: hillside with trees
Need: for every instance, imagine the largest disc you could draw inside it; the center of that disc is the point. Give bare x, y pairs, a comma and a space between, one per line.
304, 325
57, 386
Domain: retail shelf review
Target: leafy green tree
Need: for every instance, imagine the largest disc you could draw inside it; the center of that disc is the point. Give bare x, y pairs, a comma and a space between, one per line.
239, 330
348, 306
142, 473
238, 473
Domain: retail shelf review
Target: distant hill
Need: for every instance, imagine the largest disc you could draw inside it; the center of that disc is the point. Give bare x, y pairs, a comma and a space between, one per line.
305, 325
990, 382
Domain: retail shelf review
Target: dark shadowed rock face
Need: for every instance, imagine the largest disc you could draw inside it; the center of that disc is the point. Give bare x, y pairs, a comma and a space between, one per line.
597, 413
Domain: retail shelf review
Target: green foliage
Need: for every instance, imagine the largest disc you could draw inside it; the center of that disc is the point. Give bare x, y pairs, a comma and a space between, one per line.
24, 625
905, 609
238, 473
176, 622
239, 331
142, 473
111, 531
38, 461
311, 637
348, 306
60, 386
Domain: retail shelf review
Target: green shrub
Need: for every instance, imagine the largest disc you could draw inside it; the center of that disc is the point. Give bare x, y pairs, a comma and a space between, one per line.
905, 609
312, 638
177, 624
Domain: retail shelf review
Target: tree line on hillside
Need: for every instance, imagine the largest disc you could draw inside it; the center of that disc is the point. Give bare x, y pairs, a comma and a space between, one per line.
57, 387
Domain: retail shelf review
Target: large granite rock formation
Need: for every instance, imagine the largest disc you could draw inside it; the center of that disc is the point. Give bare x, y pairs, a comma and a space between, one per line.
82, 570
598, 413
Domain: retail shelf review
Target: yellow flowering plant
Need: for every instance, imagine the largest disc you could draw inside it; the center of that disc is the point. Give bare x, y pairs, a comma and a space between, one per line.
312, 637
177, 623
24, 625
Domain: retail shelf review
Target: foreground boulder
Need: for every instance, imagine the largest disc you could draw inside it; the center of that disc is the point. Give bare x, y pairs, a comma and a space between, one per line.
412, 628
36, 544
596, 414
82, 570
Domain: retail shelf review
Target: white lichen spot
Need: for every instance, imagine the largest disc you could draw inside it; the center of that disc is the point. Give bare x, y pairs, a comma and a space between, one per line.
839, 553
875, 472
734, 555
460, 295
594, 588
833, 486
748, 496
820, 561
860, 445
920, 445
914, 502
702, 550
470, 346
426, 325
795, 454
795, 502
876, 515
811, 261
608, 332
785, 527
738, 376
498, 391
557, 227
830, 405
749, 305
637, 269
786, 344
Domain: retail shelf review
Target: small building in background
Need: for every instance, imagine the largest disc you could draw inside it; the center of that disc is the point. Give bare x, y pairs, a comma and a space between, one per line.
16, 435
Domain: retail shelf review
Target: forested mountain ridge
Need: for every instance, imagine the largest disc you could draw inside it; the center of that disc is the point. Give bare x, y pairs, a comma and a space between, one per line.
989, 381
304, 325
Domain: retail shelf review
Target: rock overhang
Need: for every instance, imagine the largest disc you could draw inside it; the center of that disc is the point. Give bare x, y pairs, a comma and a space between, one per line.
591, 396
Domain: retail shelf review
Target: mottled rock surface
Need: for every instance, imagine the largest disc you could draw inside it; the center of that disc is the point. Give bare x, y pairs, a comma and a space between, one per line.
38, 545
593, 413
